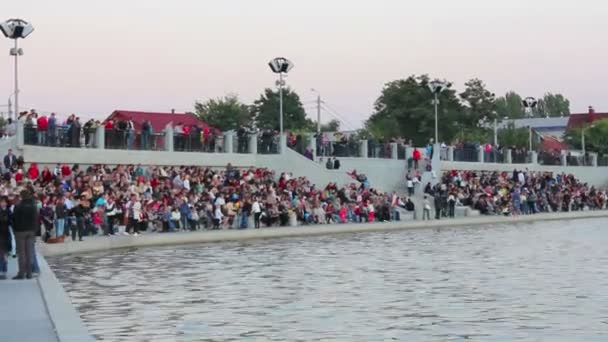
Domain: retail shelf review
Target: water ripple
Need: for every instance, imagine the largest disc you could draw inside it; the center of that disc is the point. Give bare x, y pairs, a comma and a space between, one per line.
528, 282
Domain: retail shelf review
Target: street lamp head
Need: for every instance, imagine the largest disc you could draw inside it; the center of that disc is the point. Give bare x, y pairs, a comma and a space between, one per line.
436, 86
530, 102
280, 65
16, 28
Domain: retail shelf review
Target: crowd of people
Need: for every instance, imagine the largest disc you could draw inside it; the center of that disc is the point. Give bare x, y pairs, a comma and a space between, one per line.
73, 201
520, 192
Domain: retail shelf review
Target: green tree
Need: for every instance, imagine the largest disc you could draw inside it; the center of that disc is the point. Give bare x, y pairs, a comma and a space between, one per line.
596, 137
224, 113
514, 137
405, 109
540, 111
510, 106
556, 105
265, 111
479, 103
331, 126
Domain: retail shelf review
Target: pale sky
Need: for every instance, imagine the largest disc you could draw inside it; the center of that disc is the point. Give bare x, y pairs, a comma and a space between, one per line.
91, 57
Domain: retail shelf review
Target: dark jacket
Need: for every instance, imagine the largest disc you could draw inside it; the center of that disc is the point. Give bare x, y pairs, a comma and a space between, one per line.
10, 161
336, 164
25, 216
60, 211
5, 234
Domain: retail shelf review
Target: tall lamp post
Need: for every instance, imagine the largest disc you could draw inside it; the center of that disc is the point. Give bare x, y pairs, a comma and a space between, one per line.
529, 105
584, 149
318, 109
436, 87
280, 65
15, 29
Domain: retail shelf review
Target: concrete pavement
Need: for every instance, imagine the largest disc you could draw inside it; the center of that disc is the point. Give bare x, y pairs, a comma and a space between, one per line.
23, 313
38, 310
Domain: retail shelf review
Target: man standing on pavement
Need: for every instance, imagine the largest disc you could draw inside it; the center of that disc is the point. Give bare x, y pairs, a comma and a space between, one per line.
25, 218
10, 160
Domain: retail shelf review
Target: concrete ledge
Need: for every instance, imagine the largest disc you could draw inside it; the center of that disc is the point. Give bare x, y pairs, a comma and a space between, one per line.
66, 320
103, 243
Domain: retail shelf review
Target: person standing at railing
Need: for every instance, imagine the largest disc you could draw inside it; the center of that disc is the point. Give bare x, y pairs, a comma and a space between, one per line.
178, 133
76, 128
429, 149
86, 128
52, 130
130, 133
41, 127
146, 132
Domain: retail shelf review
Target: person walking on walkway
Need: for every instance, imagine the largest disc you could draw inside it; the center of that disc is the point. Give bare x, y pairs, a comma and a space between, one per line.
5, 237
426, 211
25, 219
256, 209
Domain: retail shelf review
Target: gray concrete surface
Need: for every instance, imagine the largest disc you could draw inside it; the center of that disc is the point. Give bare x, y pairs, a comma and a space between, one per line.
23, 314
38, 310
101, 243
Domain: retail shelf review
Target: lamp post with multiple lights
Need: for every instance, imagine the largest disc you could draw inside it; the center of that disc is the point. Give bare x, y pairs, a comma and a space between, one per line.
436, 88
280, 65
15, 29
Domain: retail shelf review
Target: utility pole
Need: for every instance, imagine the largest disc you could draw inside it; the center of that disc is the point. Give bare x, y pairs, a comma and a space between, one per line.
10, 108
318, 113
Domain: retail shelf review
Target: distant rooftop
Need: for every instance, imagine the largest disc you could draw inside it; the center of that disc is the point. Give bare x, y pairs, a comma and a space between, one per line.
537, 123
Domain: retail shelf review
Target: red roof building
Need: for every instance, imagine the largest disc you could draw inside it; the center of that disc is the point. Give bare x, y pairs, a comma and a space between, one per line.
159, 120
582, 119
549, 144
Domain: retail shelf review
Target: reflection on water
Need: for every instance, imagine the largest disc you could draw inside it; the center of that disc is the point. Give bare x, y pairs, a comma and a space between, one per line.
527, 282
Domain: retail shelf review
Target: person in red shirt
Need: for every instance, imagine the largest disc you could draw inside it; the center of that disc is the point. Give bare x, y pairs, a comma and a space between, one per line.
65, 170
109, 124
42, 127
33, 172
47, 176
416, 156
19, 176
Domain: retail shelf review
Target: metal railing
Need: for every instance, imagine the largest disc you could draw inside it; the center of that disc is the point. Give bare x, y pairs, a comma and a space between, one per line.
494, 156
240, 143
401, 152
578, 161
198, 143
379, 151
466, 154
131, 140
268, 144
520, 157
61, 136
545, 158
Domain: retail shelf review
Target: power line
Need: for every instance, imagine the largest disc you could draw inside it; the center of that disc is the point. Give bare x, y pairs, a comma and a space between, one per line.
337, 115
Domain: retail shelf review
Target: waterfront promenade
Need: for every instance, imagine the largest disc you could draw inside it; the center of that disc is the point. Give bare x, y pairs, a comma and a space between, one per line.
45, 313
101, 243
38, 310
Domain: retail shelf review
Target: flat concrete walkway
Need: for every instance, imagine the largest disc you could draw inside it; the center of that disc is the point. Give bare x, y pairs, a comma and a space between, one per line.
23, 313
102, 243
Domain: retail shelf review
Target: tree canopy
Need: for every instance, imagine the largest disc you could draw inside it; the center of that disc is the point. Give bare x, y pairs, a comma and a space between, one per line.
265, 111
479, 103
331, 126
405, 109
224, 113
596, 137
510, 106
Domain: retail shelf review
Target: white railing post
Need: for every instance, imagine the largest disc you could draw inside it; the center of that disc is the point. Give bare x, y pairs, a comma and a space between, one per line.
253, 143
363, 148
169, 138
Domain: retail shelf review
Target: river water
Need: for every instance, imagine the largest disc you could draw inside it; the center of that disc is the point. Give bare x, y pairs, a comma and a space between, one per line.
530, 282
